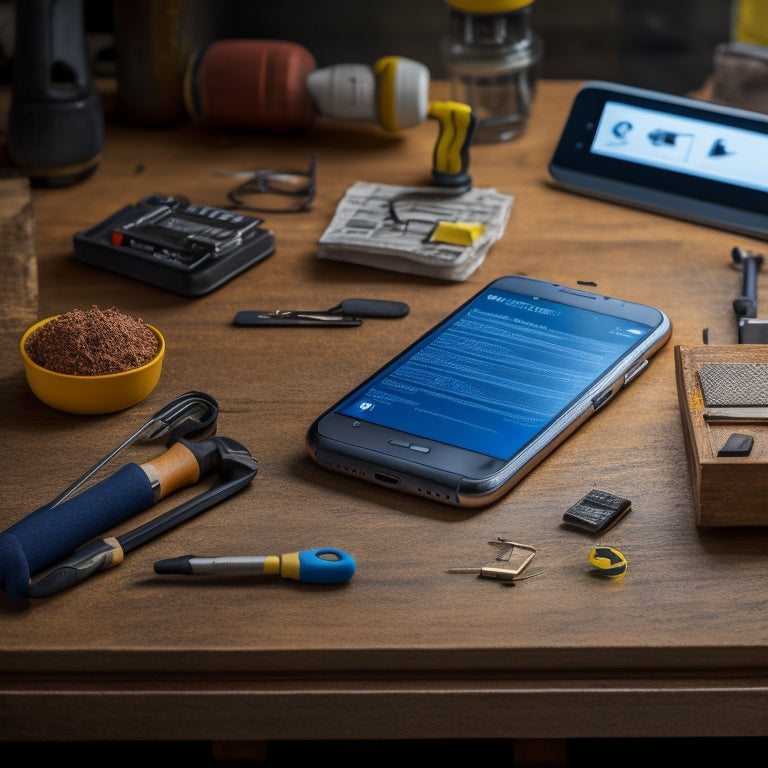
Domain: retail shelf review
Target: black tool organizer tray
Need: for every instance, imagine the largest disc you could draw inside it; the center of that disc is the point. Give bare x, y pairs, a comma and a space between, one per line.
724, 408
187, 249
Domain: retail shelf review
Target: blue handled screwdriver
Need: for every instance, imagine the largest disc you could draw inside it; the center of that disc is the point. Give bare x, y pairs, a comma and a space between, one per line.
311, 566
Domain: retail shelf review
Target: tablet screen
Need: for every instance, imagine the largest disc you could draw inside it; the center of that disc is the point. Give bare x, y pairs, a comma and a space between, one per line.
674, 155
687, 145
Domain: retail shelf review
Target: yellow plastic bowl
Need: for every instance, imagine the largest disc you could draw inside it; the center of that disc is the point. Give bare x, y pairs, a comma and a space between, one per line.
92, 394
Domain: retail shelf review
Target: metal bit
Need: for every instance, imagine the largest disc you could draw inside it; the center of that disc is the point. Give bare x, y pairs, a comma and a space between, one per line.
511, 569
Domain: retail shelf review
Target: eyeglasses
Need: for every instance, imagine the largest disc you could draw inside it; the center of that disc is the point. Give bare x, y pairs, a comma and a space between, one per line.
273, 191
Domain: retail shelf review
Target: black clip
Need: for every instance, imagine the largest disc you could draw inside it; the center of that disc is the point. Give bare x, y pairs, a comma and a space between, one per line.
348, 313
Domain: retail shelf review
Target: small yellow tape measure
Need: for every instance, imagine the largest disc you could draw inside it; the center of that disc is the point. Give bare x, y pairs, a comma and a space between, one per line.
609, 561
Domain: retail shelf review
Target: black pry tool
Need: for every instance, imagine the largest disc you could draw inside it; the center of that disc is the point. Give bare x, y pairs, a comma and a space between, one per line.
346, 314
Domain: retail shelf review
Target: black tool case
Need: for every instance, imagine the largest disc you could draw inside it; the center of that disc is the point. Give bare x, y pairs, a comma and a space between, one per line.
187, 249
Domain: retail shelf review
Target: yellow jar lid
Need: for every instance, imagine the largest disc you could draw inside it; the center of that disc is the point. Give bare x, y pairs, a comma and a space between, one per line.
751, 22
488, 6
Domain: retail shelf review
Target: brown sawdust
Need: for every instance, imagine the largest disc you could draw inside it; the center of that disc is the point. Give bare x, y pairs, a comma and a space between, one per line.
92, 342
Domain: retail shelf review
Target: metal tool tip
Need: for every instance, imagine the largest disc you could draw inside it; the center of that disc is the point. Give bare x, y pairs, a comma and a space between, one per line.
174, 565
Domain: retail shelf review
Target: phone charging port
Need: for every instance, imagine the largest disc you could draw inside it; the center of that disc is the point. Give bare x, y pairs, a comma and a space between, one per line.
382, 478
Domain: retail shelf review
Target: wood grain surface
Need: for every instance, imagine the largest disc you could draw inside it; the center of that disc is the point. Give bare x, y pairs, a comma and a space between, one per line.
18, 287
404, 650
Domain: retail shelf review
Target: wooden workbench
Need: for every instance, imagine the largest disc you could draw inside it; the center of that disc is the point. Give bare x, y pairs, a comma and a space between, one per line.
679, 647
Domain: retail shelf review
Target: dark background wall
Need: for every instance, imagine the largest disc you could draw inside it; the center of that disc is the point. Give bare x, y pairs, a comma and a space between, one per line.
661, 44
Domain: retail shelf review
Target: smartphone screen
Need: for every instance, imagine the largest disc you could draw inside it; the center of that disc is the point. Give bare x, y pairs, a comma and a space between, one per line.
674, 155
521, 361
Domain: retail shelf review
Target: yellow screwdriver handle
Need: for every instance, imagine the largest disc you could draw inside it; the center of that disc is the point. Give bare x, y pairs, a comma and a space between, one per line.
451, 154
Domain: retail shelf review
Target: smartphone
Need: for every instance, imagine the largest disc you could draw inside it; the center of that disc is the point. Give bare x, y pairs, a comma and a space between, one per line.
467, 410
673, 155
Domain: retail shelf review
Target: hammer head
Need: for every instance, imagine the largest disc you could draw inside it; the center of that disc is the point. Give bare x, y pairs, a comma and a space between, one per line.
740, 256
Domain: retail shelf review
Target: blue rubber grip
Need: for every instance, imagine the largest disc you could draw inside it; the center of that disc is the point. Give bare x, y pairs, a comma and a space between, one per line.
47, 535
314, 569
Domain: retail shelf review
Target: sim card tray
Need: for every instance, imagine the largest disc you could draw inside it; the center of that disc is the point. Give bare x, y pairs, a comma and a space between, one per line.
508, 565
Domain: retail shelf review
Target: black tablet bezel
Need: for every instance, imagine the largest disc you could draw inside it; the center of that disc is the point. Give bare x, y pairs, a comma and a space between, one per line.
706, 201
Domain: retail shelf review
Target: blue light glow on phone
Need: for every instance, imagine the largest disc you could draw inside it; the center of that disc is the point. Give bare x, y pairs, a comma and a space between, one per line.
497, 374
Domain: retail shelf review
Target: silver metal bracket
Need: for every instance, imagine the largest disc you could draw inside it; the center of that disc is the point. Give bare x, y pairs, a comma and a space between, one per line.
508, 565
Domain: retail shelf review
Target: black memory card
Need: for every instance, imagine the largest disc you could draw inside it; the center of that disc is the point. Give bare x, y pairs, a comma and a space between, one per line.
597, 511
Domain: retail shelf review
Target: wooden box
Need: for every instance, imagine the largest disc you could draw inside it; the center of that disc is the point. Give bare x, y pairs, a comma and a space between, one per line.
723, 395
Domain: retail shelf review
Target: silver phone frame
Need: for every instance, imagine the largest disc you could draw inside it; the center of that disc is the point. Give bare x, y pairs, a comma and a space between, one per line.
405, 471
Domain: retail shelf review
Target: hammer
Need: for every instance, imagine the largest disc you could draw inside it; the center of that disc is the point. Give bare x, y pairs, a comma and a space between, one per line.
44, 536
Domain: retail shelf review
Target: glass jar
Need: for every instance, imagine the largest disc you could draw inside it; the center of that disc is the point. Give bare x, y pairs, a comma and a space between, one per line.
492, 58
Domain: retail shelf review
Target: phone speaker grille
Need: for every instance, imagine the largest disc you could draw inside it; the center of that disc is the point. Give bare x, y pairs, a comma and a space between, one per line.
345, 469
446, 498
387, 481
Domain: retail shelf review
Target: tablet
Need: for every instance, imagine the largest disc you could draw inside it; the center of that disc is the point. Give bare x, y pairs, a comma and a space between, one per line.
672, 155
